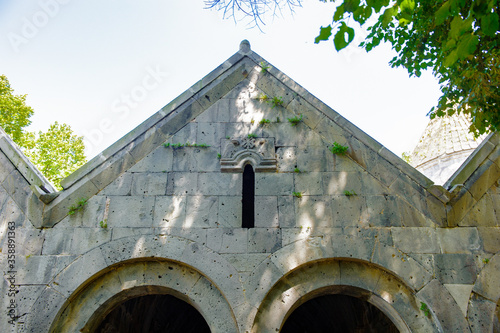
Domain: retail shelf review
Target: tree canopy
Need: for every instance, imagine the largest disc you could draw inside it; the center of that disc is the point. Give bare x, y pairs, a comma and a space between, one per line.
56, 152
458, 39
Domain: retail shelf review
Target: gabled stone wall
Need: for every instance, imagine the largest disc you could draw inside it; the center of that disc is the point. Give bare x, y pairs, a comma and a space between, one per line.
160, 218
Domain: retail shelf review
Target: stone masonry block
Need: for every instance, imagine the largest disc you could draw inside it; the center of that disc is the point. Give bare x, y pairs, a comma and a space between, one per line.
134, 211
187, 133
286, 211
227, 240
44, 311
120, 186
273, 184
415, 240
6, 167
192, 159
210, 133
196, 235
264, 240
287, 159
311, 115
216, 183
383, 211
484, 213
313, 211
490, 238
158, 160
149, 184
458, 240
28, 241
201, 212
407, 268
443, 305
39, 269
182, 183
482, 179
455, 268
245, 262
286, 135
170, 211
230, 210
481, 314
266, 212
317, 159
309, 183
348, 211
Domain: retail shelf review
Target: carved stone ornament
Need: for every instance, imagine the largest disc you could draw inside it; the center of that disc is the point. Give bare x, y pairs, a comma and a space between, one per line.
259, 152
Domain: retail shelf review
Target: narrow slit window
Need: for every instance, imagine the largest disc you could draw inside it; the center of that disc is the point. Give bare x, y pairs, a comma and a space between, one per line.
248, 200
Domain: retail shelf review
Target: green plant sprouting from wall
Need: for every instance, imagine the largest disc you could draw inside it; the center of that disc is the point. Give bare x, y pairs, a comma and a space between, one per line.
251, 135
349, 193
297, 194
425, 308
77, 207
294, 121
297, 170
104, 224
264, 67
187, 144
338, 149
276, 101
264, 121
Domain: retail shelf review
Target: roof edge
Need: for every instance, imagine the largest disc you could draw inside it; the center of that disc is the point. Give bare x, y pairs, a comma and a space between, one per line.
155, 118
27, 169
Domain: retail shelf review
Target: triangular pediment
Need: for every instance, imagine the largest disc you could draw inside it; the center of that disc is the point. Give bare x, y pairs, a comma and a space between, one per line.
233, 102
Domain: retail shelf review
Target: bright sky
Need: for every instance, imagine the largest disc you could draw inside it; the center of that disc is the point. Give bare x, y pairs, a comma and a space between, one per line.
80, 61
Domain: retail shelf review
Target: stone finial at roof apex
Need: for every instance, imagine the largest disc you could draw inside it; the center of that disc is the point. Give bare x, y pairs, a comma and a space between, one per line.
245, 46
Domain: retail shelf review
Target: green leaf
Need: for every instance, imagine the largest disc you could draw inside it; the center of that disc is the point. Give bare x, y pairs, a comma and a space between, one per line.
339, 13
450, 58
442, 13
387, 16
467, 45
350, 6
459, 26
377, 4
489, 24
339, 39
324, 34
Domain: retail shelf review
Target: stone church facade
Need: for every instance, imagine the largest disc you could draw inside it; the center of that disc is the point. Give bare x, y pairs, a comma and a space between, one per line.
249, 220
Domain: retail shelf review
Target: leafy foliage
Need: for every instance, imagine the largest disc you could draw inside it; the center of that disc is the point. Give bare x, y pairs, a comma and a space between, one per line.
78, 206
297, 194
56, 153
14, 113
294, 121
459, 40
349, 193
338, 149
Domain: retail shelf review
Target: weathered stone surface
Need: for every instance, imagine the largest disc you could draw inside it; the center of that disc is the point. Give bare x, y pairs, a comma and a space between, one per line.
273, 184
461, 293
490, 238
149, 184
459, 240
266, 212
134, 211
415, 240
264, 240
443, 306
481, 314
181, 183
228, 240
455, 268
230, 211
170, 211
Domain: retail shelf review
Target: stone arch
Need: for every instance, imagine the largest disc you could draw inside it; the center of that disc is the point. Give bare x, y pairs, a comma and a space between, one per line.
484, 301
353, 278
415, 283
83, 274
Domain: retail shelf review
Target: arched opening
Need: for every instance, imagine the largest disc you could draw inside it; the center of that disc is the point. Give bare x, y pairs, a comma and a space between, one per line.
153, 314
338, 313
248, 199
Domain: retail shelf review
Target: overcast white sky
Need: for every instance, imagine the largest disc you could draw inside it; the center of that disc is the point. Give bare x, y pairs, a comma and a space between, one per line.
79, 60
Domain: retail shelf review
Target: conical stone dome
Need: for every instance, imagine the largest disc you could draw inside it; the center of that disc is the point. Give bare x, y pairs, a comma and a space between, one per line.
444, 146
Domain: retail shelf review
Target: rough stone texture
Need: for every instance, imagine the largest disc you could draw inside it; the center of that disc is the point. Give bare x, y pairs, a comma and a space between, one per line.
366, 224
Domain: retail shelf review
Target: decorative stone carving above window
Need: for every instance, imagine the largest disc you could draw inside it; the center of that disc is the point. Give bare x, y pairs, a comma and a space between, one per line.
259, 152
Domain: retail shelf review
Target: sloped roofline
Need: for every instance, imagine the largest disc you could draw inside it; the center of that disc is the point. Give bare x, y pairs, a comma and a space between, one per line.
131, 148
